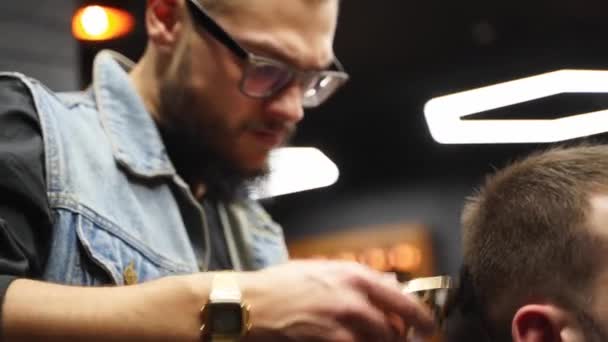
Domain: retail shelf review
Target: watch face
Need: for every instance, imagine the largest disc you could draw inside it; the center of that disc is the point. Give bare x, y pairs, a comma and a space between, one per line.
225, 318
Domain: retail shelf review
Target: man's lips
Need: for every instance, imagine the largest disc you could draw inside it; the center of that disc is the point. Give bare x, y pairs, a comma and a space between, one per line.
268, 137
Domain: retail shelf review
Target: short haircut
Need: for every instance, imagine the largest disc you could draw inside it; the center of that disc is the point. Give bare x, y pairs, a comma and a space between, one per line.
526, 236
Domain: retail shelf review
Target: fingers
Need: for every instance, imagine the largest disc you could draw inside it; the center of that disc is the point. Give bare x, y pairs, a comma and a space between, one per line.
387, 296
367, 322
364, 304
397, 324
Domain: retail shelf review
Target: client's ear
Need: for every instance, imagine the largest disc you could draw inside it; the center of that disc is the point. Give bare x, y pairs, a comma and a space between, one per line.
544, 323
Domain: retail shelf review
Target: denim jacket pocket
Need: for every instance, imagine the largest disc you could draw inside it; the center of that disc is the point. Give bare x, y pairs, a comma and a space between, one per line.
126, 260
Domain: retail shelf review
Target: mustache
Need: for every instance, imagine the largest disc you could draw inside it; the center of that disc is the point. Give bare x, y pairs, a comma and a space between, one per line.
286, 128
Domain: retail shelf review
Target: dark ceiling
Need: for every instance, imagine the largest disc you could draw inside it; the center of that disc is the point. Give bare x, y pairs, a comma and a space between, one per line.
402, 53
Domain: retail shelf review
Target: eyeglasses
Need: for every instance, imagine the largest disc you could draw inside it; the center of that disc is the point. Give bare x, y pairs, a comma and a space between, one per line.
265, 77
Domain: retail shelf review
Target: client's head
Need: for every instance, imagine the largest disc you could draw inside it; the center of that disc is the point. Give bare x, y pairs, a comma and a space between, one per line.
535, 240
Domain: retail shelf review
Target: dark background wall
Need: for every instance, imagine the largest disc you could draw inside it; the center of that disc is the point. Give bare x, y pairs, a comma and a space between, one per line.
35, 39
399, 54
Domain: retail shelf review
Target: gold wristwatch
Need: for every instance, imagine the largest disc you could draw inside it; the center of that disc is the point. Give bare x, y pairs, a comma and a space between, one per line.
225, 316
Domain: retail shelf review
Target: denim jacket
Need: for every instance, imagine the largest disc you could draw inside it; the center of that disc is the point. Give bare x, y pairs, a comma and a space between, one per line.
121, 214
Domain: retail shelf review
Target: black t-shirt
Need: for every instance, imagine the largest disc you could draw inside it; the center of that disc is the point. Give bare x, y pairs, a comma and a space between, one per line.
25, 219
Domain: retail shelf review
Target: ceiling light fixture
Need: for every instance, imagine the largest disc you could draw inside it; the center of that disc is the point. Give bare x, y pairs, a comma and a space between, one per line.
295, 169
444, 114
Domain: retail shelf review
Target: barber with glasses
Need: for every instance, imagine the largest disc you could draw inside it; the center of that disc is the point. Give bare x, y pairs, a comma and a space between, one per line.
123, 214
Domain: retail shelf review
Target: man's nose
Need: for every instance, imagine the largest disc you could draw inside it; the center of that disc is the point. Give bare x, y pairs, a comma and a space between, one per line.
287, 105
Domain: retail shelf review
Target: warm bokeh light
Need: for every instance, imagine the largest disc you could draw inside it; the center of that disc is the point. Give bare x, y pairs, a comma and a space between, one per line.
346, 256
98, 23
405, 257
374, 258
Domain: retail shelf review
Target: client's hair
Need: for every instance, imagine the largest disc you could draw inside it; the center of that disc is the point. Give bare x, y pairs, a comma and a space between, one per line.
525, 237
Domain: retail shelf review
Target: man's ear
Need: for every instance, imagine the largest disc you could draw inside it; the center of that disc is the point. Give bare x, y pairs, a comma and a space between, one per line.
164, 20
543, 323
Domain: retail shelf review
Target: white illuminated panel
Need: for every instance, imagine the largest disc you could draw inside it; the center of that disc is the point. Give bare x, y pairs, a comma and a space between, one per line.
295, 169
444, 114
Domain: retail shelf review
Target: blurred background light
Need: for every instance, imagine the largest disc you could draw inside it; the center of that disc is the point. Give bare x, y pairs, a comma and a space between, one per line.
445, 115
405, 257
98, 23
295, 169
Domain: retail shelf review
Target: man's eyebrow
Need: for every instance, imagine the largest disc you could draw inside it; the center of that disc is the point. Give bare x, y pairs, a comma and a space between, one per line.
268, 48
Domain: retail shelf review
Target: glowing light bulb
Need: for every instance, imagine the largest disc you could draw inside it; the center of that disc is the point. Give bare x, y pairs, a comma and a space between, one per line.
97, 23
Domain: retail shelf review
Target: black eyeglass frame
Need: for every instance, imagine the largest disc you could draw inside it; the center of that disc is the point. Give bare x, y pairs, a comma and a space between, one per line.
203, 19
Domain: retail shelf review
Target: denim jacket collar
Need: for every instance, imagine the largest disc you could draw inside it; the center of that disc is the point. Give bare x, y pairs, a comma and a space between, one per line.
135, 139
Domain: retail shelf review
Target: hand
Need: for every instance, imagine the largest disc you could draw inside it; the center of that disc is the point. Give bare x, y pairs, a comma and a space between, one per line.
329, 301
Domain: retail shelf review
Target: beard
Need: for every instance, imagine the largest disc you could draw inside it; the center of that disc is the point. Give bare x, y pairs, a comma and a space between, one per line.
193, 141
